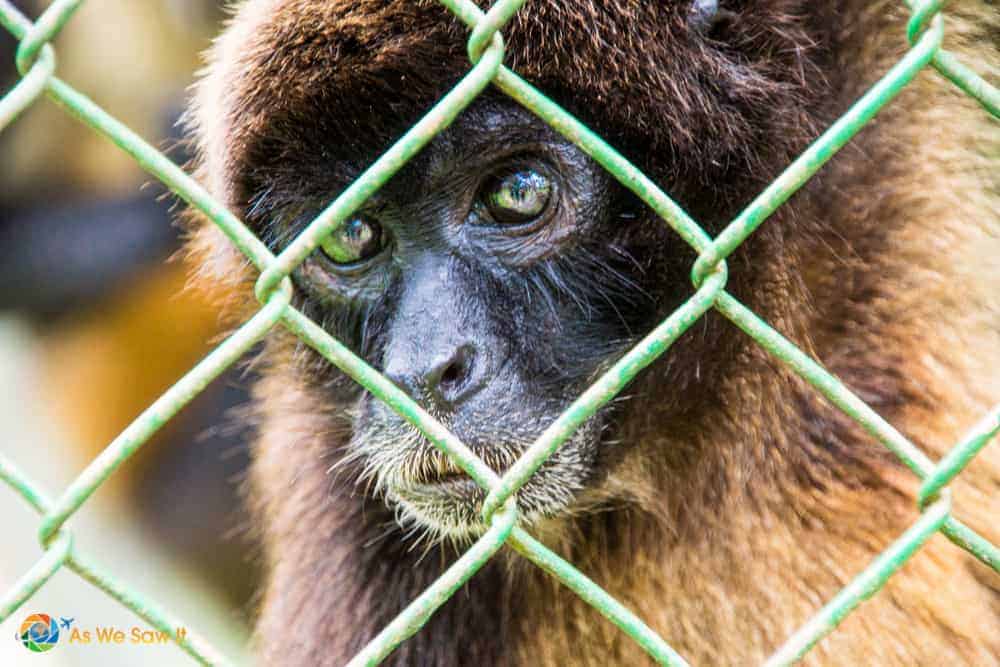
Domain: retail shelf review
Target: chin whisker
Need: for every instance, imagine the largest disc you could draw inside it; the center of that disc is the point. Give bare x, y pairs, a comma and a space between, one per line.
387, 458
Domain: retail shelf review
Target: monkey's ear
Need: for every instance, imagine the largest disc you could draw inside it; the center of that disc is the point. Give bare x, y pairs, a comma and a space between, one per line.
707, 18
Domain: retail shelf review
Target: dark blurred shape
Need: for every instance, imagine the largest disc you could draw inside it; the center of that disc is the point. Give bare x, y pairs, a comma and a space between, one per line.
83, 256
64, 258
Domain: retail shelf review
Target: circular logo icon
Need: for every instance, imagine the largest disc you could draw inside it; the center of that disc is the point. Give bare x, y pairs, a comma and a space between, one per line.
39, 633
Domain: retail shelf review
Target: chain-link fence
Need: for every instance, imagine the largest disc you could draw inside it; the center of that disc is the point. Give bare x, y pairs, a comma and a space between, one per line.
36, 61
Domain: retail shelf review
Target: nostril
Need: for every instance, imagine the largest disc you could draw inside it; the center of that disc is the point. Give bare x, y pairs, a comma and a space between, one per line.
449, 378
453, 374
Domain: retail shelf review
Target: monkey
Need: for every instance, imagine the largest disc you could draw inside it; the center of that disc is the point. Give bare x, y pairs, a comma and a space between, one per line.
500, 271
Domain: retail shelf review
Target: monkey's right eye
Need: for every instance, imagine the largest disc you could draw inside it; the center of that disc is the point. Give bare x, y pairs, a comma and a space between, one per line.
518, 196
359, 238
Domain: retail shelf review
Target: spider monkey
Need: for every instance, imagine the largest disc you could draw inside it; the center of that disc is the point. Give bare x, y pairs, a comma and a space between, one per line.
721, 498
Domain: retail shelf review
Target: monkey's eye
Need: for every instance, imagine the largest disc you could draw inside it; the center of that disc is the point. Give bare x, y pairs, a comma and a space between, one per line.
360, 238
517, 196
708, 18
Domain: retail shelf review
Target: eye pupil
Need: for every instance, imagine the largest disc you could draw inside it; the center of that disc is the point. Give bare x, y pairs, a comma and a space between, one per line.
518, 196
358, 233
357, 240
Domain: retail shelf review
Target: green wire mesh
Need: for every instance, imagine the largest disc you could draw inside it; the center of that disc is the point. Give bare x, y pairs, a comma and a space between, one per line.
36, 61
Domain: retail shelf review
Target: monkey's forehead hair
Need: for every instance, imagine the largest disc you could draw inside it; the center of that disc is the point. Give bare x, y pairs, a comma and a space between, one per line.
341, 79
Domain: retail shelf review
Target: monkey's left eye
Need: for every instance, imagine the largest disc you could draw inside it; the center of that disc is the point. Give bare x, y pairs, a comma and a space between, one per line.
517, 196
360, 238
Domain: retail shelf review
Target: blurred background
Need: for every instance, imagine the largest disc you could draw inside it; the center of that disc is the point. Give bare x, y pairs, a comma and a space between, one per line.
95, 324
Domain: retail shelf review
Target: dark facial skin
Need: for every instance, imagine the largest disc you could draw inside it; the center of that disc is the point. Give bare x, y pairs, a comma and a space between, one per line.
492, 279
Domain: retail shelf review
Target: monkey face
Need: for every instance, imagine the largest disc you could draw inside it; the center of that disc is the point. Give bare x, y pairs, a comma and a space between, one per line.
502, 270
492, 280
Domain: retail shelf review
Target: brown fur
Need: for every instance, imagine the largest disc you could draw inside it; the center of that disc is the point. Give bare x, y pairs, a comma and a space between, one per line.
746, 501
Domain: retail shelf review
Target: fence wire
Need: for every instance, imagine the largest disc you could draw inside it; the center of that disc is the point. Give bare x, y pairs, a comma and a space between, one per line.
36, 62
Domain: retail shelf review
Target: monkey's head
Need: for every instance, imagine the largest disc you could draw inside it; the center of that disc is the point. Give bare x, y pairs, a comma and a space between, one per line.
502, 270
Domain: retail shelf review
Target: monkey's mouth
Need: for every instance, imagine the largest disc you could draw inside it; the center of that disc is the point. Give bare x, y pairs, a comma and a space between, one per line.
434, 478
440, 497
447, 503
427, 490
453, 485
439, 469
450, 491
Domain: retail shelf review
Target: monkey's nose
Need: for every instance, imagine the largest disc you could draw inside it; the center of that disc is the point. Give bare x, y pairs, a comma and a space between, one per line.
446, 379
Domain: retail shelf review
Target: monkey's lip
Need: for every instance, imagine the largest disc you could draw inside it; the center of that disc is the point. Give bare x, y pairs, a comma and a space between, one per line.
438, 470
447, 479
438, 477
450, 476
448, 489
431, 479
450, 482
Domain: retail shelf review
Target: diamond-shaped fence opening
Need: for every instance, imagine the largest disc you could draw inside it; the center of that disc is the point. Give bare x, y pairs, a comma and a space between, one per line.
36, 61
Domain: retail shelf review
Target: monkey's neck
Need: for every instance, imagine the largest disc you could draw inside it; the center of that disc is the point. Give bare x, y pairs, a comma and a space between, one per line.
686, 542
509, 613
